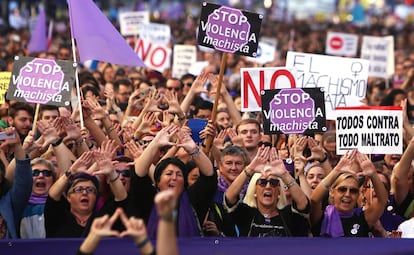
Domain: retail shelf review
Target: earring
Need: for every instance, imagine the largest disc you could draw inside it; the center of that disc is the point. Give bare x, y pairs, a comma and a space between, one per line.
255, 195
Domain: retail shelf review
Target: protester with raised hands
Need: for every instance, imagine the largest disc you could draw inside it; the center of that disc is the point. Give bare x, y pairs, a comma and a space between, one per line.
102, 227
14, 198
72, 215
264, 211
342, 218
193, 202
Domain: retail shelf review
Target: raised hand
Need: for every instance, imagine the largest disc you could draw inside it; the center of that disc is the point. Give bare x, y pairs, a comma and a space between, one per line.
235, 138
259, 161
368, 168
317, 151
165, 203
277, 167
82, 164
344, 164
218, 141
102, 226
199, 83
134, 149
48, 132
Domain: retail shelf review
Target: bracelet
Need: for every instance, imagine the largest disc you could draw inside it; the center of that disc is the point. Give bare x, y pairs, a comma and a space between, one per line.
290, 184
110, 129
247, 173
116, 178
324, 185
57, 142
324, 159
195, 152
169, 218
68, 173
142, 243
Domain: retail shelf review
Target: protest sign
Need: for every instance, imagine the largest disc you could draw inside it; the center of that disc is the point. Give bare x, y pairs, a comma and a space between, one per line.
341, 44
254, 80
42, 81
159, 34
344, 80
130, 22
229, 30
380, 53
4, 84
369, 129
184, 58
265, 53
154, 56
293, 111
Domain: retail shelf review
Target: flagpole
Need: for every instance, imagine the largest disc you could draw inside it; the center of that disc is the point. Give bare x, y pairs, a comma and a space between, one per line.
77, 84
76, 66
209, 139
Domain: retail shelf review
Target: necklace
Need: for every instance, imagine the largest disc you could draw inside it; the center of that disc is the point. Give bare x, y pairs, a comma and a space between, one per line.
81, 222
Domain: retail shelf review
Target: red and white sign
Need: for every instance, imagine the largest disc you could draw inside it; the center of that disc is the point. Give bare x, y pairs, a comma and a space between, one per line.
155, 56
255, 80
341, 44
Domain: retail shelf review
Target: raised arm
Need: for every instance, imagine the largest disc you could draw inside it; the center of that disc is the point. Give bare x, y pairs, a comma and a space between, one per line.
143, 163
255, 166
196, 88
373, 212
324, 186
81, 165
399, 178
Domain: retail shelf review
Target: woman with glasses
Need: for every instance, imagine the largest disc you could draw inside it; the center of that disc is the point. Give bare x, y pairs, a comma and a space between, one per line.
342, 218
72, 215
264, 212
32, 224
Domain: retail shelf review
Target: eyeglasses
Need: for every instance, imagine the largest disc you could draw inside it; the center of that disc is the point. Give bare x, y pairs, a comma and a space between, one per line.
124, 172
344, 189
143, 142
263, 182
172, 88
44, 172
80, 189
188, 84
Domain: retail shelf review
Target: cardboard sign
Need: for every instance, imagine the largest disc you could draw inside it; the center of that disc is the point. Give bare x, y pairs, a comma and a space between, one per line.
341, 44
293, 111
42, 81
380, 53
184, 57
159, 34
4, 85
229, 30
254, 80
369, 129
130, 22
344, 80
155, 56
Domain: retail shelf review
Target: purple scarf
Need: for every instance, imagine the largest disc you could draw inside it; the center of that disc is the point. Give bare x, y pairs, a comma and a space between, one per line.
187, 219
37, 199
331, 224
222, 186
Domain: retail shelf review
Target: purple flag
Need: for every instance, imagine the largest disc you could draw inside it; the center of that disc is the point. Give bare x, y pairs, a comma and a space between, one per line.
97, 38
38, 40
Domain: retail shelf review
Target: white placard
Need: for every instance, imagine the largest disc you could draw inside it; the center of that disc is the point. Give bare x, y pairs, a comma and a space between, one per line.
344, 79
184, 57
341, 44
155, 56
156, 33
380, 53
371, 130
265, 53
130, 22
255, 80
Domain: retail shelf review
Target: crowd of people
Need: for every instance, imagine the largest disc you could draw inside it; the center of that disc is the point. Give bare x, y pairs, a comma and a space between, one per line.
133, 166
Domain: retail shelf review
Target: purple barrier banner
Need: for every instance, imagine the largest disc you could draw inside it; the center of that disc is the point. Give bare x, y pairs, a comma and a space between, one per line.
222, 246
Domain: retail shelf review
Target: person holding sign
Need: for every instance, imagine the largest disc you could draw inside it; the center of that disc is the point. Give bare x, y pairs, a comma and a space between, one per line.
342, 218
264, 211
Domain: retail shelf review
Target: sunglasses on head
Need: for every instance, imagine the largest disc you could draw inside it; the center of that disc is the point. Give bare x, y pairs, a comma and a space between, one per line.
124, 172
263, 182
44, 172
344, 189
176, 88
80, 189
